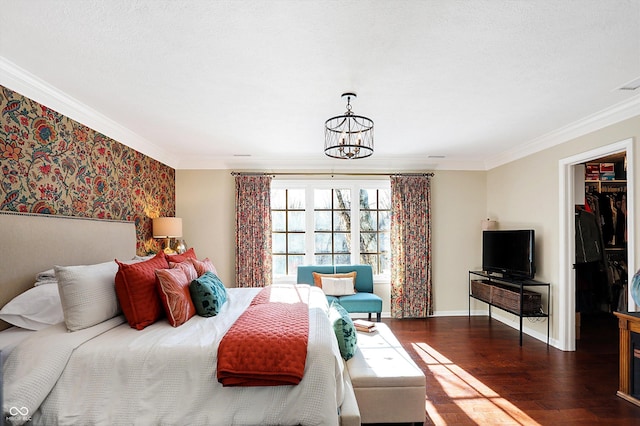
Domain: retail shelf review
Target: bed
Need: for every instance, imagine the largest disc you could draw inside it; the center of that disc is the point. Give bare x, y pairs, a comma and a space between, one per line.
110, 373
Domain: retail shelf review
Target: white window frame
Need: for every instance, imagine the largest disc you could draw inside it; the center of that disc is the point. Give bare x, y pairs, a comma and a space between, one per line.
309, 185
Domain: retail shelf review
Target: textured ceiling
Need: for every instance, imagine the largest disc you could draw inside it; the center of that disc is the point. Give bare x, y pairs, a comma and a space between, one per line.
203, 84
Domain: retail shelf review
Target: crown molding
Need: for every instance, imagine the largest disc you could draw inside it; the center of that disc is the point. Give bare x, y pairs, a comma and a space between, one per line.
19, 80
619, 112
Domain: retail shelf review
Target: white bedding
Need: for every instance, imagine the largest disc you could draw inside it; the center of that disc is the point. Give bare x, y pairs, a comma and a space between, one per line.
165, 375
10, 338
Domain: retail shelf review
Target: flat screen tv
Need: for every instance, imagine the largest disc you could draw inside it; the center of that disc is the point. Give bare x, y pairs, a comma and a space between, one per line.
509, 252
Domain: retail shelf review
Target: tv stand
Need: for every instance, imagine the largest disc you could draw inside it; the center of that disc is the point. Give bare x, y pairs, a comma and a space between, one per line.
510, 295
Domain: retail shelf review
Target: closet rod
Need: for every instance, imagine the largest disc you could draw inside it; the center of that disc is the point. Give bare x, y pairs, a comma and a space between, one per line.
428, 174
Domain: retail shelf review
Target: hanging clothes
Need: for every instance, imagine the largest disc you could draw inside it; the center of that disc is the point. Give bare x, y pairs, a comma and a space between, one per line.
588, 239
621, 219
606, 215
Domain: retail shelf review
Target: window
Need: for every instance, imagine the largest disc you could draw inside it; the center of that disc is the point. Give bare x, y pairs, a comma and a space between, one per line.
288, 229
332, 226
375, 224
318, 222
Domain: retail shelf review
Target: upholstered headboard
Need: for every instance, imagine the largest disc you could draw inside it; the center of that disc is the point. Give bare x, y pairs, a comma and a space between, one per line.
34, 243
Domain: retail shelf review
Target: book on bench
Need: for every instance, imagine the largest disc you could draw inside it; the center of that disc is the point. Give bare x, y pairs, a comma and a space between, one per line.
363, 325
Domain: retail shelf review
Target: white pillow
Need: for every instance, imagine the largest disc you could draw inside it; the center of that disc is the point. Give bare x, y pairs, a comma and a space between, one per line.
88, 294
337, 286
35, 309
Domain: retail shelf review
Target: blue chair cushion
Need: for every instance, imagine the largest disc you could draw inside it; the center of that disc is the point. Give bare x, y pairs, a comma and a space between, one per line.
361, 302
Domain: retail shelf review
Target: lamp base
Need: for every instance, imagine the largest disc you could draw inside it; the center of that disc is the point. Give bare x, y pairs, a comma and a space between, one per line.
167, 247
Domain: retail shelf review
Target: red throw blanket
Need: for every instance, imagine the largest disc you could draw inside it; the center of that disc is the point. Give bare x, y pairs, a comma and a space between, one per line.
267, 345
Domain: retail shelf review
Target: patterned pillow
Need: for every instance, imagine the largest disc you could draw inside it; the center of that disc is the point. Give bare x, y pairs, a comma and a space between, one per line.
137, 291
186, 267
173, 286
177, 258
344, 329
203, 266
208, 294
317, 278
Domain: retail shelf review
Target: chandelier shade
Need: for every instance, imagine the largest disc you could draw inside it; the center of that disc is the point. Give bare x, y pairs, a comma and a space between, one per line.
348, 136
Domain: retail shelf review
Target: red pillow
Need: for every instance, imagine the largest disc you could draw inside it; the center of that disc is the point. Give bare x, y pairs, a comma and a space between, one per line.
137, 291
177, 258
173, 286
203, 266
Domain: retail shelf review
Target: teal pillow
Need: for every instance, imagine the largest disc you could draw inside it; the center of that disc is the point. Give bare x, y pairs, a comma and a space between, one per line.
344, 329
208, 294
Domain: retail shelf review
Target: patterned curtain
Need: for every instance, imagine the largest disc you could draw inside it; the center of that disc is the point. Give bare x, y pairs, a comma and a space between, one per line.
411, 247
253, 231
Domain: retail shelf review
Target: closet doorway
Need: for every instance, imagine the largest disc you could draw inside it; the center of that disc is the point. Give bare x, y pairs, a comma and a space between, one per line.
601, 261
572, 184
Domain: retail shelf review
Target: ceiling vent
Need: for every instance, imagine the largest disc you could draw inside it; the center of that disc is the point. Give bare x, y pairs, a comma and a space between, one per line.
632, 85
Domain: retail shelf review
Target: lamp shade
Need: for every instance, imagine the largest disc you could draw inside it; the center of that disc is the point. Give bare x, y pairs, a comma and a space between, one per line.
167, 227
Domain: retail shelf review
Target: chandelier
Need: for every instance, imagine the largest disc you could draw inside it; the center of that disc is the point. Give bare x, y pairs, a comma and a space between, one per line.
348, 136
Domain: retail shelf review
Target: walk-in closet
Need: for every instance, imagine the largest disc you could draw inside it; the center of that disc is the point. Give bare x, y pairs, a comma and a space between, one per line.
601, 244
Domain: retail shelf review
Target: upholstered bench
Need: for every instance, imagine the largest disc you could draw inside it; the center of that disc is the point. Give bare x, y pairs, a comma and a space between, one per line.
389, 386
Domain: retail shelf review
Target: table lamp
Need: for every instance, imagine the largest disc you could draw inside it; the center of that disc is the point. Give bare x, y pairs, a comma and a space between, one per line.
167, 227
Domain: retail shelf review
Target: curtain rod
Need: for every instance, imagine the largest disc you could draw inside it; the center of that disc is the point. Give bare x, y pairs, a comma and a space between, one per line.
428, 174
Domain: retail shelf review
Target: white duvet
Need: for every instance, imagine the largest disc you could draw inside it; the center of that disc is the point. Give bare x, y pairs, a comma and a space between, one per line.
111, 374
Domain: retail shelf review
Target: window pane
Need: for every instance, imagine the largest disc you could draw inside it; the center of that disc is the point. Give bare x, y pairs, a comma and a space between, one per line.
342, 199
368, 242
322, 220
385, 245
296, 221
384, 218
342, 221
341, 243
296, 243
278, 199
385, 264
279, 242
368, 198
279, 265
294, 261
296, 199
277, 221
370, 259
384, 199
323, 243
323, 260
368, 220
343, 259
322, 199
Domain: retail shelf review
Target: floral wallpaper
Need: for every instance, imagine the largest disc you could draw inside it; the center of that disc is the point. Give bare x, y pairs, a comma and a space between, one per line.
51, 164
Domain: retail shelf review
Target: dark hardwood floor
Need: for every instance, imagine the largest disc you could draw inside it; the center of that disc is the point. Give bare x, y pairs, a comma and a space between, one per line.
477, 374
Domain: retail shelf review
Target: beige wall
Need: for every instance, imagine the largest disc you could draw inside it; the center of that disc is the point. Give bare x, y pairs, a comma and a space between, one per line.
525, 194
458, 204
205, 199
